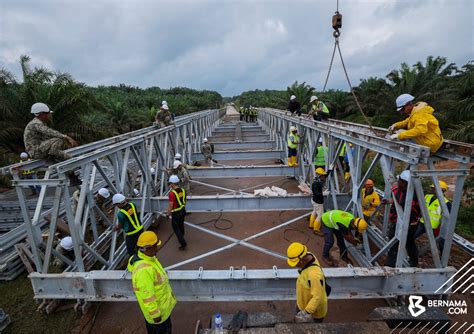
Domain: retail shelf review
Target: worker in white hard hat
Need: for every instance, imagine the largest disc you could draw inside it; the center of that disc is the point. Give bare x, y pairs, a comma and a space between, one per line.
64, 247
100, 208
207, 149
293, 142
163, 117
317, 109
128, 220
399, 192
420, 124
177, 209
294, 106
28, 174
178, 157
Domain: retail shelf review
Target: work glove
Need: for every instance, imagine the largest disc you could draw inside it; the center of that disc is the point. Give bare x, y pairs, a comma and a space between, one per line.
303, 316
391, 128
326, 193
394, 136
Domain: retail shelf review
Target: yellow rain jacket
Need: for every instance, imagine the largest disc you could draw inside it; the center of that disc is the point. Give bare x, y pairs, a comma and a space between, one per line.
422, 126
371, 201
311, 291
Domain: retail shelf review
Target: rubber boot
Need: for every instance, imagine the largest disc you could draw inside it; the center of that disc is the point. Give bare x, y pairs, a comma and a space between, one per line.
311, 221
317, 228
290, 161
295, 161
347, 176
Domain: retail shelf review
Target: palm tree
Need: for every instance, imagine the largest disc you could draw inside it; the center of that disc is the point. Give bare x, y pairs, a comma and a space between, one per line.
302, 92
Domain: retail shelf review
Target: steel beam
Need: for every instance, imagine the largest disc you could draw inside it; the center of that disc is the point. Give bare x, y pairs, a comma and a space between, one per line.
242, 171
239, 155
243, 145
243, 285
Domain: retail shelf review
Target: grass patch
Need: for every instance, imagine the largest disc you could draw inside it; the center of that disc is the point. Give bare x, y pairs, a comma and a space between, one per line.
464, 225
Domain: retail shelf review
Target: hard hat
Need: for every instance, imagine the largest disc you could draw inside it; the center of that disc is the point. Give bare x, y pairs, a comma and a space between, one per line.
444, 186
320, 140
165, 106
164, 102
293, 128
295, 252
40, 107
176, 163
24, 155
136, 192
173, 179
321, 171
148, 238
405, 175
313, 98
402, 100
66, 243
118, 198
204, 140
360, 224
152, 170
177, 156
104, 192
369, 183
292, 97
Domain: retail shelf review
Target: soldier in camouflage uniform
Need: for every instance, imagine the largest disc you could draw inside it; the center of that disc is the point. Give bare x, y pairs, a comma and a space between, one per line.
206, 150
183, 176
42, 142
163, 117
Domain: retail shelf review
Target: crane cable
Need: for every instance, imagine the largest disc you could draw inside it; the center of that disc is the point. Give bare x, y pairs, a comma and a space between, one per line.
336, 35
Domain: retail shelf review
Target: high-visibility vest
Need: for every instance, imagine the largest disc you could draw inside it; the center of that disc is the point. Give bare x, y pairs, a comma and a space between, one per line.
320, 159
434, 211
333, 217
181, 199
293, 137
28, 171
343, 150
131, 214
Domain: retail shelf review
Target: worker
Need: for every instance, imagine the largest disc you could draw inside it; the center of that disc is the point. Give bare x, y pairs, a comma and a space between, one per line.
420, 123
294, 106
183, 174
65, 247
399, 192
177, 209
435, 213
340, 224
318, 200
29, 174
320, 156
163, 117
311, 295
318, 109
241, 112
370, 200
293, 141
178, 157
102, 195
207, 150
128, 220
42, 142
151, 285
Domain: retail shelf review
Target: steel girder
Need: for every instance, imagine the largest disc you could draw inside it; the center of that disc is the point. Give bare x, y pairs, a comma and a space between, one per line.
242, 171
241, 155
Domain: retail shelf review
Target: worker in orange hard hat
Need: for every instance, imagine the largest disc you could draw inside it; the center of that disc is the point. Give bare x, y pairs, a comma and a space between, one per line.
370, 200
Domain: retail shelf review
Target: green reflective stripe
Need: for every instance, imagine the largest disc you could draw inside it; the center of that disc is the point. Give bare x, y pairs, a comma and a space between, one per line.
134, 221
290, 141
182, 204
434, 211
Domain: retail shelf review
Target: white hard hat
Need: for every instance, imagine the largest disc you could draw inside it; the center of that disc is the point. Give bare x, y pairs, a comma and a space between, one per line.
136, 192
165, 106
320, 140
164, 102
292, 97
118, 198
402, 100
205, 140
23, 155
177, 156
313, 98
176, 163
40, 107
104, 192
405, 175
66, 243
173, 179
152, 170
293, 128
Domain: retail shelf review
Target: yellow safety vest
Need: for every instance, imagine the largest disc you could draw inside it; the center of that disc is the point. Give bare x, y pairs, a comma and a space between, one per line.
434, 210
181, 203
28, 171
290, 141
134, 221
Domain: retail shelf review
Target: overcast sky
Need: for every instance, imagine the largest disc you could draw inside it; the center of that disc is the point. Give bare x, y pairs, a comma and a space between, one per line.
230, 46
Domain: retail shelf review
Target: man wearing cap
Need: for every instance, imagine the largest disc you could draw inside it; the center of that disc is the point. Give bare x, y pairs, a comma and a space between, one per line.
42, 142
311, 297
207, 150
370, 200
163, 117
29, 174
64, 247
435, 213
318, 109
340, 224
128, 221
318, 200
293, 141
177, 209
151, 285
399, 192
420, 124
294, 106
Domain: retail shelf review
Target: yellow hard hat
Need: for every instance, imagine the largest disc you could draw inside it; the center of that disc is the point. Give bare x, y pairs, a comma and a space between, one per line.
443, 185
295, 252
148, 238
360, 224
321, 171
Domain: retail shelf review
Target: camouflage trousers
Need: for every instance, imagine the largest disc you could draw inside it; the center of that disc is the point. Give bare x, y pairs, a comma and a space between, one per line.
52, 148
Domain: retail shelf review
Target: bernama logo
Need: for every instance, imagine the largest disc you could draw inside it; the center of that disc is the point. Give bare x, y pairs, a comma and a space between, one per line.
453, 306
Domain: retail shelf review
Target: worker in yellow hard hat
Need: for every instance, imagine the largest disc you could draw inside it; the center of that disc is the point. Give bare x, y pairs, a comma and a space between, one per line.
311, 295
435, 213
341, 224
318, 200
151, 284
370, 199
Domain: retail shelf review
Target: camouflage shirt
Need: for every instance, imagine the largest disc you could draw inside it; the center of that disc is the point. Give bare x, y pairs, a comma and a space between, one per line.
37, 132
163, 117
206, 150
183, 175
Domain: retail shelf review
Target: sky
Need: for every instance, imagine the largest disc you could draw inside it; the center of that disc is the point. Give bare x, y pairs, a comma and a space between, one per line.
230, 46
